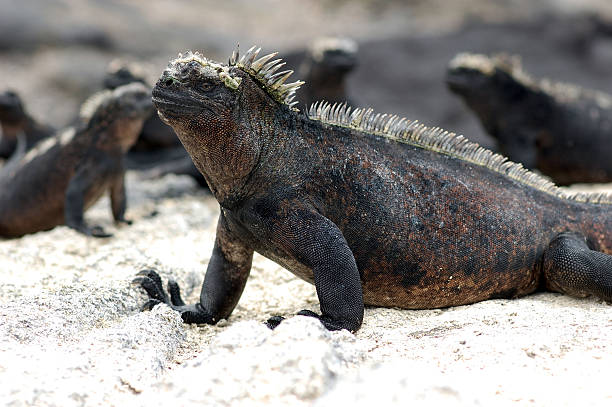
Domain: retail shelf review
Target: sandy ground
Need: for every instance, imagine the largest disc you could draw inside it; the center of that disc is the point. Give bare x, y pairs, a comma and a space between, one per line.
71, 332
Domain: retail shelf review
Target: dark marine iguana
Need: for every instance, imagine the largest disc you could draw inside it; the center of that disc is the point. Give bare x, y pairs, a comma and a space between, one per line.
325, 68
371, 208
15, 120
560, 129
60, 177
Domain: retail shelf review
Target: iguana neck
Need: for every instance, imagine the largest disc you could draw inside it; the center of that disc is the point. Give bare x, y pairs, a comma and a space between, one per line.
227, 161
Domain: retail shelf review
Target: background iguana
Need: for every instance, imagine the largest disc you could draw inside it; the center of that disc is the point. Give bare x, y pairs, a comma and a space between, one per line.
370, 208
324, 68
58, 179
14, 120
562, 130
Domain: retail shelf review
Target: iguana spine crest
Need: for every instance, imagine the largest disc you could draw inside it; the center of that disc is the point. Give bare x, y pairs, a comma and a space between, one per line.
93, 103
264, 70
441, 141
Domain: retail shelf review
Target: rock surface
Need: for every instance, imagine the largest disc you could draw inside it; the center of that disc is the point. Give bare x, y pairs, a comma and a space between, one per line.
71, 332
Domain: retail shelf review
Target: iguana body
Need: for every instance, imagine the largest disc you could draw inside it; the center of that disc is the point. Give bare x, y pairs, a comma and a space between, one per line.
14, 120
58, 179
371, 209
562, 130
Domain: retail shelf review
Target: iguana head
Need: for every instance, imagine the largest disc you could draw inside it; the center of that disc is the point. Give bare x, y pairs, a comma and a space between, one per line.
510, 105
13, 121
118, 114
325, 68
221, 111
11, 108
119, 73
488, 85
194, 86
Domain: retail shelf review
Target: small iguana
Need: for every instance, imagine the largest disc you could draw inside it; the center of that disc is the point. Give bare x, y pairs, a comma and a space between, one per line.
560, 129
324, 69
371, 208
14, 120
60, 177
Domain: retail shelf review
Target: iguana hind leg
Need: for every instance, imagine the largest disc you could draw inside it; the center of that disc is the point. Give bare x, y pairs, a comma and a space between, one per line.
572, 268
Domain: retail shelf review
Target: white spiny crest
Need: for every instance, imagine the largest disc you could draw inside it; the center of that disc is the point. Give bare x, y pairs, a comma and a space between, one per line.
89, 107
436, 139
265, 70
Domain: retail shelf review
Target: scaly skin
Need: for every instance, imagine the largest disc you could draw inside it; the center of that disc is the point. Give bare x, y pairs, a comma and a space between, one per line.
559, 129
367, 219
14, 120
55, 182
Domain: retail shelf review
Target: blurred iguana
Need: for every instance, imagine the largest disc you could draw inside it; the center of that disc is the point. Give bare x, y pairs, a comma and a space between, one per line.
16, 122
560, 129
62, 176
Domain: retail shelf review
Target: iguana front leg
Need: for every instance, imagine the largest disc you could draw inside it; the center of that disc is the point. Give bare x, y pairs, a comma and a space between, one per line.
118, 199
74, 202
226, 276
318, 243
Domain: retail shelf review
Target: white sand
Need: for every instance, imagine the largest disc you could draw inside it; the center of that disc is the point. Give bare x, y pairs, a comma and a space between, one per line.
71, 333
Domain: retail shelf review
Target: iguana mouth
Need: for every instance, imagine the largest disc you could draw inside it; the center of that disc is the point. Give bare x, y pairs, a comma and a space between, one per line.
173, 104
456, 81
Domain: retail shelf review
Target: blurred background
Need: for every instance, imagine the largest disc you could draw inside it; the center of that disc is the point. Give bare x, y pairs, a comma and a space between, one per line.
54, 53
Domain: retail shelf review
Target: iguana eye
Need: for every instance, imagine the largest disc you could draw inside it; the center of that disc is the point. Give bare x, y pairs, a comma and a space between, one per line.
206, 86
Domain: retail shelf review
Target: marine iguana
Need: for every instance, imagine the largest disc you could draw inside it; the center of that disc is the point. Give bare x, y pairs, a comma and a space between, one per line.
14, 120
560, 129
371, 208
60, 177
324, 69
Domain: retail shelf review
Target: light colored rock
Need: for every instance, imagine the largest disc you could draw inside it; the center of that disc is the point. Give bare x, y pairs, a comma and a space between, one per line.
249, 364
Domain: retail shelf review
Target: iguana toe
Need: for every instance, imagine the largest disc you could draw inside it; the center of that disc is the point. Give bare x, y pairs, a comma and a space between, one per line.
151, 282
274, 321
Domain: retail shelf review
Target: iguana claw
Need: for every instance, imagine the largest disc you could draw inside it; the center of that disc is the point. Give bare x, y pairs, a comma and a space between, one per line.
151, 282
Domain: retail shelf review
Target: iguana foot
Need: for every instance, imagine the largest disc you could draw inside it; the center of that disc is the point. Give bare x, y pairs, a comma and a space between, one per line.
572, 268
94, 231
124, 221
327, 322
274, 321
150, 281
